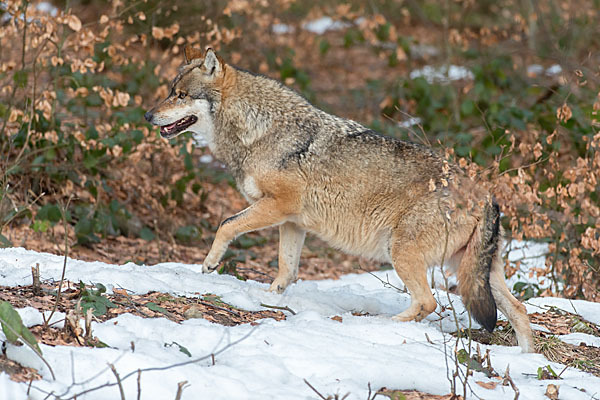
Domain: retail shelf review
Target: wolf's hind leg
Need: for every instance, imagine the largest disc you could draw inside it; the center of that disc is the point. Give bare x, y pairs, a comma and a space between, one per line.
511, 307
262, 214
409, 263
291, 239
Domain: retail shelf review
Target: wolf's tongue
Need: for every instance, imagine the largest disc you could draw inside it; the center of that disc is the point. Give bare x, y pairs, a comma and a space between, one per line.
167, 128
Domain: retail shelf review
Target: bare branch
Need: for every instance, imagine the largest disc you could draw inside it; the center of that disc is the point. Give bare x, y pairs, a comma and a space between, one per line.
116, 374
180, 386
285, 308
315, 390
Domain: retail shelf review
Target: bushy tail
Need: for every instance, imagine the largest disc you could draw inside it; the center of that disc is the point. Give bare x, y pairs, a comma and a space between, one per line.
475, 266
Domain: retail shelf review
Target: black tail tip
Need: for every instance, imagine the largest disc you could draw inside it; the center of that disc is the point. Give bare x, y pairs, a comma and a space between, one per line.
488, 323
486, 314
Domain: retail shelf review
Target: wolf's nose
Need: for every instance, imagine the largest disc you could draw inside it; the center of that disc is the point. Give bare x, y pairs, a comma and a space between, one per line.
148, 116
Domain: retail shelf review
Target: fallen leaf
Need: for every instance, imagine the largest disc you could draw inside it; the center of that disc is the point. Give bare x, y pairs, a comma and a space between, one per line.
487, 385
552, 391
74, 22
121, 292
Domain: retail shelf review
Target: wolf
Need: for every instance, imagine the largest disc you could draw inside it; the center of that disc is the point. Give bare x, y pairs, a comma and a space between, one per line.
304, 170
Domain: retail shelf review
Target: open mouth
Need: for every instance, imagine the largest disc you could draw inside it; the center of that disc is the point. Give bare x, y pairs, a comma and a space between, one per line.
168, 131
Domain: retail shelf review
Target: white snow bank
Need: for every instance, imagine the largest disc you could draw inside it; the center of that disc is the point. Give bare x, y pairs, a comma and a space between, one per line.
276, 356
578, 338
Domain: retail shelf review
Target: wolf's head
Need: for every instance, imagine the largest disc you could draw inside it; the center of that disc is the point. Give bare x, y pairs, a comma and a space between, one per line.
194, 98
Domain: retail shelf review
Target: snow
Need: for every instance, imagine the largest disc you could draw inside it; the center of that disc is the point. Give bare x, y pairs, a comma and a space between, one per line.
281, 29
324, 24
537, 69
577, 338
554, 70
587, 310
272, 359
443, 74
43, 7
412, 121
317, 26
47, 7
206, 159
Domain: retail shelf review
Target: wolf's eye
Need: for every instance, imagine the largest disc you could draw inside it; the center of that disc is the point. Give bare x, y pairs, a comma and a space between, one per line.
182, 95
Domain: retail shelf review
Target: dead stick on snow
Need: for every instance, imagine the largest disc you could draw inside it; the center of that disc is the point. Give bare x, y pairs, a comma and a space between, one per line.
508, 379
116, 374
285, 308
35, 273
315, 390
139, 384
180, 386
64, 269
219, 308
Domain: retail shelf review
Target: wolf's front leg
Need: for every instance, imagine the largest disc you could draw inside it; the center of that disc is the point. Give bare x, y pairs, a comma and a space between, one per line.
262, 214
291, 239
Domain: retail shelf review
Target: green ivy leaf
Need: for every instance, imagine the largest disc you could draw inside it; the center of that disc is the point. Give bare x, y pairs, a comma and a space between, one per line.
147, 234
13, 326
4, 242
155, 307
49, 212
182, 349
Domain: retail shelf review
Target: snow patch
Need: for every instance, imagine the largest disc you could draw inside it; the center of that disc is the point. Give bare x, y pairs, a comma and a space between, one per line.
324, 24
537, 70
578, 338
443, 74
409, 122
271, 360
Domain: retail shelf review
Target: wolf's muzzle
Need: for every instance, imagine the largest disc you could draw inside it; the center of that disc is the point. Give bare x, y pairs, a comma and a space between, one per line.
148, 116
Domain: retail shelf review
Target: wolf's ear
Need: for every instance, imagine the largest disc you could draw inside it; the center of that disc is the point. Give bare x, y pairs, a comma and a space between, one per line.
212, 65
191, 53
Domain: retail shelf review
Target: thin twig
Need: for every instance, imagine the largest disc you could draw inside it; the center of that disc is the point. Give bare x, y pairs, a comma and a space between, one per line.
315, 390
116, 374
35, 274
180, 386
139, 385
387, 283
64, 269
219, 308
508, 380
284, 308
139, 371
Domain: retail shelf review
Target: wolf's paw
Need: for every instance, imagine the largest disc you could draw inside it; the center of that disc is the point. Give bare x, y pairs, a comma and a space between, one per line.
279, 285
413, 314
403, 318
208, 268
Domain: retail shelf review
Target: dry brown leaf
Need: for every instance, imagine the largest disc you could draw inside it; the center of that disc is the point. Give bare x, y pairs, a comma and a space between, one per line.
487, 385
552, 391
564, 113
74, 22
121, 292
